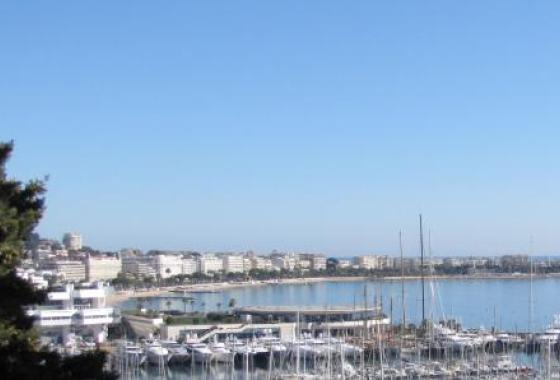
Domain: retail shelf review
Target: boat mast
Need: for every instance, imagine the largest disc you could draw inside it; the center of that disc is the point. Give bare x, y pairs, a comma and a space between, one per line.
422, 269
403, 318
531, 285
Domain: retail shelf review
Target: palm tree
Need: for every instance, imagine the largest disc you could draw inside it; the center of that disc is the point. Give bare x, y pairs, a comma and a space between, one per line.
188, 300
219, 306
139, 303
232, 303
168, 304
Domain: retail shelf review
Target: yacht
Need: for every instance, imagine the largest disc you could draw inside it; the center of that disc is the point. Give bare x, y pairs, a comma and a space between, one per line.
551, 333
177, 352
220, 353
506, 338
273, 344
156, 354
200, 352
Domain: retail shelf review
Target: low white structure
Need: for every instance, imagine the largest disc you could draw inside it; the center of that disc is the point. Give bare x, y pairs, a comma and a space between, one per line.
74, 309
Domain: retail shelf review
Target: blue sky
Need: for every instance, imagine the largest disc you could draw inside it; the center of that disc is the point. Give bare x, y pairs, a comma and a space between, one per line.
320, 126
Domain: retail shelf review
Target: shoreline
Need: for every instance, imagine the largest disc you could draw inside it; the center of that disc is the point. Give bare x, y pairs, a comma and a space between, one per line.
216, 287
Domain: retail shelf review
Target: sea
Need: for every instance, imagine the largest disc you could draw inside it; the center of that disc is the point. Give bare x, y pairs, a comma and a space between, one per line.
507, 304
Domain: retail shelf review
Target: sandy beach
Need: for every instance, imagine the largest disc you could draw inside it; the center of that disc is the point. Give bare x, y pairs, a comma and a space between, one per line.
213, 287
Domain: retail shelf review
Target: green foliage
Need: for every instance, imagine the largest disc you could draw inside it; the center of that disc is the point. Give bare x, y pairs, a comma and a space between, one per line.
202, 319
21, 208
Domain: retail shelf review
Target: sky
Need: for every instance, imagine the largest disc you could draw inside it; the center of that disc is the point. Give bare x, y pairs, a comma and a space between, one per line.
316, 126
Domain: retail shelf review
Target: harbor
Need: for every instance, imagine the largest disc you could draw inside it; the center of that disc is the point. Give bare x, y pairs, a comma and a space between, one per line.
302, 349
335, 342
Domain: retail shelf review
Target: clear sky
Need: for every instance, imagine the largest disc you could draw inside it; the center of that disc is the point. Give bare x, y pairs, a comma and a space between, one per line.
322, 126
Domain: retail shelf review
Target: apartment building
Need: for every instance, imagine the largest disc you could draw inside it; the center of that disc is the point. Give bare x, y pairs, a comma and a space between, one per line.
233, 264
167, 266
261, 263
67, 270
190, 265
210, 264
102, 268
284, 262
318, 262
374, 262
138, 266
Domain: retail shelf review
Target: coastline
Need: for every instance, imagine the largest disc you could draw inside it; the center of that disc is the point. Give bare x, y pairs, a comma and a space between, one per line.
216, 287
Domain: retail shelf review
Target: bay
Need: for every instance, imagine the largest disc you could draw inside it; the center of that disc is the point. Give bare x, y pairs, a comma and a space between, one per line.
475, 303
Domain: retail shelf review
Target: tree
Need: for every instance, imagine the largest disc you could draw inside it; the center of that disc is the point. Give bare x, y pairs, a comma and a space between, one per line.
332, 264
21, 357
232, 303
140, 303
123, 281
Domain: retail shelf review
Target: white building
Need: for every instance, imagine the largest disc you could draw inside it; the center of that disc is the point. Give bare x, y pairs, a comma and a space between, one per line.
36, 279
72, 241
210, 264
190, 265
247, 264
102, 268
344, 263
261, 263
138, 266
373, 262
233, 264
79, 309
68, 270
318, 262
167, 266
287, 262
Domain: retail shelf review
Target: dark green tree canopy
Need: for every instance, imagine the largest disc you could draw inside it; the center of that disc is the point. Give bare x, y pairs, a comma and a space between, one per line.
21, 357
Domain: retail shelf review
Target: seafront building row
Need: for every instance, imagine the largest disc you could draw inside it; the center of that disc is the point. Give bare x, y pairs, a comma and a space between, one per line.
73, 262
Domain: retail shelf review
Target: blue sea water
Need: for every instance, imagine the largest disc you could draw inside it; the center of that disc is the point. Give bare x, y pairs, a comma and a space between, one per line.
504, 303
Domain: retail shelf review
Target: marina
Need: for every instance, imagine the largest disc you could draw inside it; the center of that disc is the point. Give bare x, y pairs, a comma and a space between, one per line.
360, 341
382, 352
